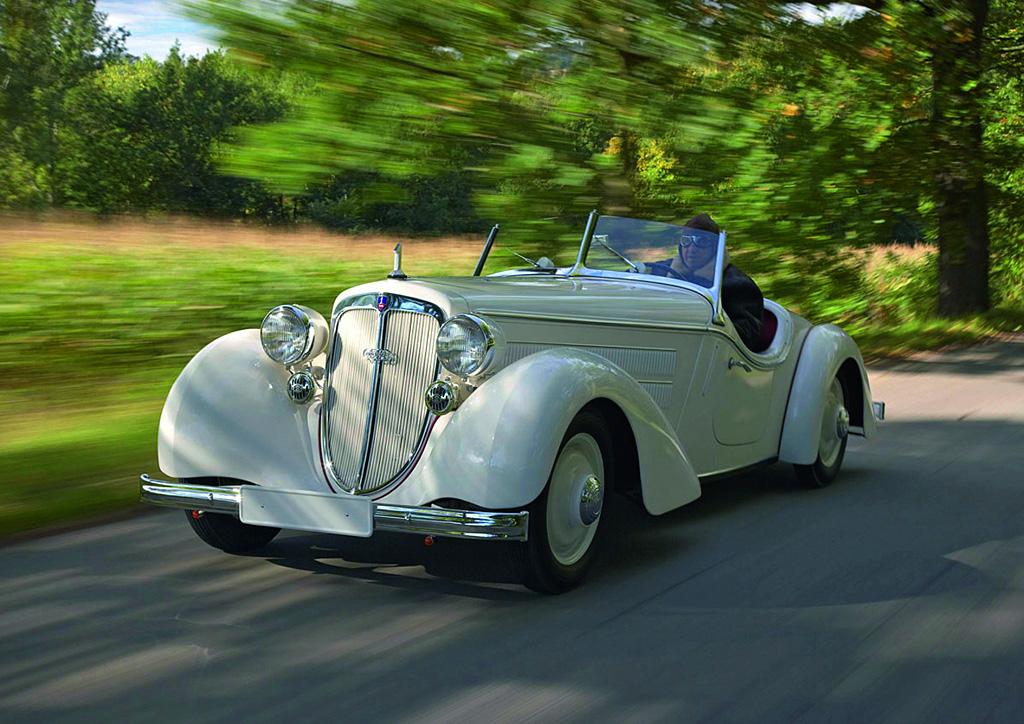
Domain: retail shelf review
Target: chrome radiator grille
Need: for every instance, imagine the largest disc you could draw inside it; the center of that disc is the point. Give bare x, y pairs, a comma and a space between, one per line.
378, 367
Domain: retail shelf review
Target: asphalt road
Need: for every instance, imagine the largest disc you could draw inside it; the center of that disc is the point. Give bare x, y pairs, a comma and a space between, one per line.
896, 595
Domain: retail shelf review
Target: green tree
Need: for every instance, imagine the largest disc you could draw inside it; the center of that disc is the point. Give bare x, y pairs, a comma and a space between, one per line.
145, 134
46, 48
945, 47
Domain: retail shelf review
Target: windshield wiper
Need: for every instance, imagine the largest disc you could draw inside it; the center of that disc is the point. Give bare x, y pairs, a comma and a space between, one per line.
602, 240
538, 265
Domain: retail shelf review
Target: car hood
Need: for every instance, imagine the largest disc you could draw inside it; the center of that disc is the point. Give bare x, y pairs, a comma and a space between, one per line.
577, 298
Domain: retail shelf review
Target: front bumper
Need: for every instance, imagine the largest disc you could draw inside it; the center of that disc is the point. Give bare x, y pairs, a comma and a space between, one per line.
421, 520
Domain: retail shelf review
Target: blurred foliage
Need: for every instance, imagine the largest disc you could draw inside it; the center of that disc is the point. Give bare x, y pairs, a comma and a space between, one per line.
807, 140
144, 134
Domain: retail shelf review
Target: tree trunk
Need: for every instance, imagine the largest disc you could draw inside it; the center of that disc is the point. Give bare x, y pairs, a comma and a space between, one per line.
962, 208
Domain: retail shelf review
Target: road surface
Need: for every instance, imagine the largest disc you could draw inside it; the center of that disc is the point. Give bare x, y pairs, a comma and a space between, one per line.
896, 595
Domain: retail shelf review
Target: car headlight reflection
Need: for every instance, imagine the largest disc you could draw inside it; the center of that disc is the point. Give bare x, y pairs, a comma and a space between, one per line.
465, 345
292, 334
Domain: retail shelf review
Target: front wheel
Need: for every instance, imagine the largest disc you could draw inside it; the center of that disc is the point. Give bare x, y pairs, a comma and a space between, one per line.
227, 532
565, 518
835, 428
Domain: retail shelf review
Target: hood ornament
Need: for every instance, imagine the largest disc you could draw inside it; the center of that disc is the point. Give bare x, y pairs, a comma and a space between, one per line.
397, 272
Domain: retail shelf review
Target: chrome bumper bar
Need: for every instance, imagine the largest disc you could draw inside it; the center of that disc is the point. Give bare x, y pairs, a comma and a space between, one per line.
421, 520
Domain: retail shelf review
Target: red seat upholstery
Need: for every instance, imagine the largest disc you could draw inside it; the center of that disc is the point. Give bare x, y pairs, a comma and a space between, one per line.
769, 325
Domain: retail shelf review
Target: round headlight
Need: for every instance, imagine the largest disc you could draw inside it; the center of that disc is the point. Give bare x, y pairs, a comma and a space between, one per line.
465, 345
292, 334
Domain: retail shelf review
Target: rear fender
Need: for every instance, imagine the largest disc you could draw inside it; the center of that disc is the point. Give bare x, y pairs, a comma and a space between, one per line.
497, 450
826, 352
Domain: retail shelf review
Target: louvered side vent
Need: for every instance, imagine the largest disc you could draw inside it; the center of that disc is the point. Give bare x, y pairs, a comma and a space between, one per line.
378, 368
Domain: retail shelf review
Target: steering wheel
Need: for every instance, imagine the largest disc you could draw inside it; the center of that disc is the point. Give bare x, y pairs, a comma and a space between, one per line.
669, 271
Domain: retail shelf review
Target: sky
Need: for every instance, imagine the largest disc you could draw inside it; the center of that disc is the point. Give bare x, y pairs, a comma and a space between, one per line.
154, 26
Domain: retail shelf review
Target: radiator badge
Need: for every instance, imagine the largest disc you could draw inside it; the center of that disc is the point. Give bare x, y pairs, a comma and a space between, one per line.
382, 302
384, 356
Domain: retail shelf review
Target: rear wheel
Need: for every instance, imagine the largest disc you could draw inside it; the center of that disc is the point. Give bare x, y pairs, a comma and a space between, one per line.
835, 428
226, 532
565, 518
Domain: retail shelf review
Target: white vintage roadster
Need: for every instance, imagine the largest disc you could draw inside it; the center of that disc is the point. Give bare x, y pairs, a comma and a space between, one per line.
505, 407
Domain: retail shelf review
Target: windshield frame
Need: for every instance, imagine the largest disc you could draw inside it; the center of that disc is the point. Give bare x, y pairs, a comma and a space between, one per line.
712, 294
580, 269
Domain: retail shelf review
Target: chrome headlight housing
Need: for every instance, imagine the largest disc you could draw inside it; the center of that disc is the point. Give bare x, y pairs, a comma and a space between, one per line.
292, 334
466, 345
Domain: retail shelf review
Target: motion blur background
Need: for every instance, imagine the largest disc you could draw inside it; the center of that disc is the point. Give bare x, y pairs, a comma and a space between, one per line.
867, 161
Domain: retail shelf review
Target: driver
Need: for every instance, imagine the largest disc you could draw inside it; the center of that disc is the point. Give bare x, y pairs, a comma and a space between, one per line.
695, 262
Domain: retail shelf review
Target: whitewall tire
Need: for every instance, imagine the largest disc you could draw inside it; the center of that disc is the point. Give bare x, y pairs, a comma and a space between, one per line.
835, 428
566, 518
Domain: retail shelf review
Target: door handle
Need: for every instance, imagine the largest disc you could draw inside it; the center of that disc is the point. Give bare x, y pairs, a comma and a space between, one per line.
738, 363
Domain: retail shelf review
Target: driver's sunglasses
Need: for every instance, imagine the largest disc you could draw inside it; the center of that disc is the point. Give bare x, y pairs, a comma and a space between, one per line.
702, 242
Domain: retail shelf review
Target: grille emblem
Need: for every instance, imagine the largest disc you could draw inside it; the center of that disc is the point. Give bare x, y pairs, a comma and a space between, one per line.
384, 356
382, 302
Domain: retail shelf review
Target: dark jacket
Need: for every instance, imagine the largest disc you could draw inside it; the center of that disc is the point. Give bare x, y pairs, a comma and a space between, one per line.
741, 299
744, 303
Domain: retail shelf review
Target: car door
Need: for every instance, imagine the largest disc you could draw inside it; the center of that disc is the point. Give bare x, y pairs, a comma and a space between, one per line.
740, 393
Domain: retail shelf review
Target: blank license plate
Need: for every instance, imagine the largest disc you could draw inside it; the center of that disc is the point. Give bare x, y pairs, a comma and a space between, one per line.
302, 510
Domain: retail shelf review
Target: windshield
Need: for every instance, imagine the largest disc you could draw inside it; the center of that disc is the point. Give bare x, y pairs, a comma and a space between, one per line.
647, 248
654, 248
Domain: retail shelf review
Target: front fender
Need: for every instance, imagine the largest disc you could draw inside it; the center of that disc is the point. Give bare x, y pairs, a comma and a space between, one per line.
498, 448
825, 350
228, 414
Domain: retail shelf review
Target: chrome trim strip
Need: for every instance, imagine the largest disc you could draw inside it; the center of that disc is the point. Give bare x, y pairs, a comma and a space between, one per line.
369, 300
716, 287
588, 273
421, 520
371, 415
595, 320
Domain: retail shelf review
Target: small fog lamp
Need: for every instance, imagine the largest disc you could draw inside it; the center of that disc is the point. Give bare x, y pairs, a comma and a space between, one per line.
301, 388
441, 397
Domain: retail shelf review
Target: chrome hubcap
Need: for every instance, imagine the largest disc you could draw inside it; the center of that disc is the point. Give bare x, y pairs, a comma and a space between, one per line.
590, 500
842, 423
575, 496
835, 425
